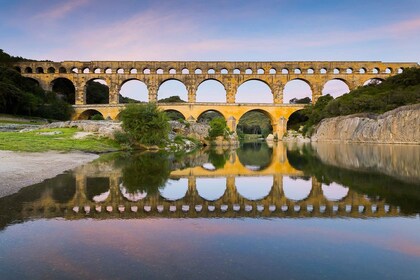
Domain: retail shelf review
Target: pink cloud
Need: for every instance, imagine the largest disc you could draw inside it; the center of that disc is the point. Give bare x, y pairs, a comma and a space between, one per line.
61, 10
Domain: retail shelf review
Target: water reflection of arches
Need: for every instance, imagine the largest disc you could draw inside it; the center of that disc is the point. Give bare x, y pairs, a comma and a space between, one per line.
255, 156
174, 189
297, 188
254, 188
97, 189
64, 188
334, 191
211, 189
132, 196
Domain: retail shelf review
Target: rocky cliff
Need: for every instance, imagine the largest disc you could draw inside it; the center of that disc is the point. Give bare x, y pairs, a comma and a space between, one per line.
401, 125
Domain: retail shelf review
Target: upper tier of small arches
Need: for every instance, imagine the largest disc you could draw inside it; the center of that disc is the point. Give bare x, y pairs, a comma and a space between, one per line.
216, 69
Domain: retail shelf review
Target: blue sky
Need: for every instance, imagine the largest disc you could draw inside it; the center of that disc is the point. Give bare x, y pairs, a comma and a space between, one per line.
58, 30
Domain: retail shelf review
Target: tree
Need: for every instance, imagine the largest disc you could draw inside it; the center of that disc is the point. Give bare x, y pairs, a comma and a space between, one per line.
171, 99
218, 127
145, 124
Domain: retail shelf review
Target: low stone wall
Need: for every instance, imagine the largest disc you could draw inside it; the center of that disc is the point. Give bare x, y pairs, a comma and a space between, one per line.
401, 125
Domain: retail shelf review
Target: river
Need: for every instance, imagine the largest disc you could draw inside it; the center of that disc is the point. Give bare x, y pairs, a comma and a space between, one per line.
284, 211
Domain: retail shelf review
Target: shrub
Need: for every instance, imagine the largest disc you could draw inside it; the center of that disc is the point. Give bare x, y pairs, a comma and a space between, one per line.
97, 117
145, 124
218, 127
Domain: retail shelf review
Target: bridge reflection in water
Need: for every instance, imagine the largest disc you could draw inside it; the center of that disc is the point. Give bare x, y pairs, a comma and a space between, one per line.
99, 191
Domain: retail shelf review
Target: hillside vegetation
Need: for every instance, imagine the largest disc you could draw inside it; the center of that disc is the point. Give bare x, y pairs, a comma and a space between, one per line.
402, 89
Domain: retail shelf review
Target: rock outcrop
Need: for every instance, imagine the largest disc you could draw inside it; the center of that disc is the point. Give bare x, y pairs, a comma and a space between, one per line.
102, 128
401, 125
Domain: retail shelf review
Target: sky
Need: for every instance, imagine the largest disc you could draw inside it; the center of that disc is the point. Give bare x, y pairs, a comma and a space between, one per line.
282, 30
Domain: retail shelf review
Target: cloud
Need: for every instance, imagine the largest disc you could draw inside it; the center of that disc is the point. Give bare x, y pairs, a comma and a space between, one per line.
61, 10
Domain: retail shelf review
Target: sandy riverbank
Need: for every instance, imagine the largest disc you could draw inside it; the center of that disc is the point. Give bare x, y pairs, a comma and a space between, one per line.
18, 169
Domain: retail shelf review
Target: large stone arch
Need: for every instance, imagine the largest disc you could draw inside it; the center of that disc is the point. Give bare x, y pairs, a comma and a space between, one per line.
211, 79
303, 80
210, 110
87, 114
92, 79
162, 82
142, 83
257, 79
347, 83
69, 92
174, 111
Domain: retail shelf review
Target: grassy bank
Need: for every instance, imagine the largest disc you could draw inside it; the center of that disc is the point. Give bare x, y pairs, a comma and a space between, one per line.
37, 141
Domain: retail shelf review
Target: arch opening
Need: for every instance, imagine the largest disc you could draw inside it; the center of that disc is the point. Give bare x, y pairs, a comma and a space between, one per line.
254, 91
323, 71
211, 71
236, 71
172, 71
296, 120
185, 71
28, 70
285, 71
133, 91
172, 91
272, 71
91, 114
39, 70
174, 115
310, 71
373, 82
254, 124
62, 70
51, 70
224, 71
97, 92
65, 89
133, 71
198, 71
207, 116
74, 70
86, 70
146, 71
297, 91
211, 91
335, 88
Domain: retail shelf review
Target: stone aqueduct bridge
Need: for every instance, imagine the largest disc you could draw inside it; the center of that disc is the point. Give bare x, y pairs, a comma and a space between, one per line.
192, 73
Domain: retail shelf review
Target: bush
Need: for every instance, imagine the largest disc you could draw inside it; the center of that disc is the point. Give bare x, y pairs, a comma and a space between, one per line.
97, 117
145, 124
218, 127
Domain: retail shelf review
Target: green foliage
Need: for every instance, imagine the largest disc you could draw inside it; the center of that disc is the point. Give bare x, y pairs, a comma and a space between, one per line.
146, 172
255, 122
23, 96
218, 159
145, 124
174, 115
305, 100
97, 117
207, 116
218, 127
97, 93
6, 58
171, 99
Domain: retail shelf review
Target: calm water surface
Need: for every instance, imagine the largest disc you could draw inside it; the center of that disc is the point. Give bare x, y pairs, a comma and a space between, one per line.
282, 212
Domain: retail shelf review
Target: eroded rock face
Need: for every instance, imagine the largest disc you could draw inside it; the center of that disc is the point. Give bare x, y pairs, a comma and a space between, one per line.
103, 128
198, 131
401, 125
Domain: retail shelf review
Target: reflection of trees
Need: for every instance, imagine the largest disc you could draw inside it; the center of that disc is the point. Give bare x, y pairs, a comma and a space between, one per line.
96, 186
372, 183
255, 154
218, 159
145, 172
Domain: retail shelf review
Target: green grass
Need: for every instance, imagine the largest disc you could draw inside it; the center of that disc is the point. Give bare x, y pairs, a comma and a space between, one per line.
34, 142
